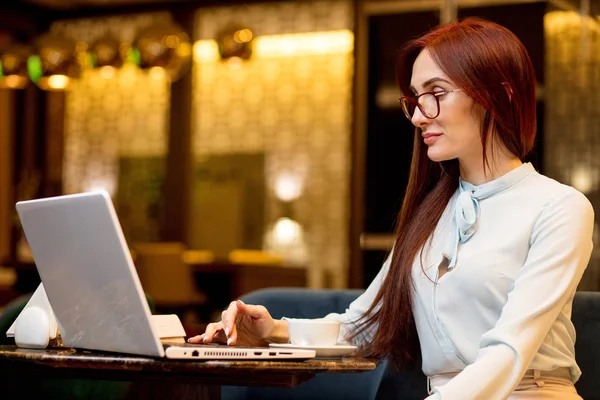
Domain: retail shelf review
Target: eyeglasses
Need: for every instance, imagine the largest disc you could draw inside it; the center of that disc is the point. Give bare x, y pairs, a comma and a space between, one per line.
428, 103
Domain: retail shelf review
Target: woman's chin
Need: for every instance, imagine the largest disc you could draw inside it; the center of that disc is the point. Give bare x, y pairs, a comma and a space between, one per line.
436, 155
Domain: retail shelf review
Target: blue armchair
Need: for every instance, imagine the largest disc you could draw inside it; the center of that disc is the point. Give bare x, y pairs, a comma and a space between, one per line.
586, 318
386, 382
307, 303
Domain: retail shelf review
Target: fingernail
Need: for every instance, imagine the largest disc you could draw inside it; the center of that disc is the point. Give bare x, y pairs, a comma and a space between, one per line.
239, 301
204, 339
226, 331
229, 341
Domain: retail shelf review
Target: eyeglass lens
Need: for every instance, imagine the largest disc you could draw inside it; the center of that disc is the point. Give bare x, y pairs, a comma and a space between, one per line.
428, 104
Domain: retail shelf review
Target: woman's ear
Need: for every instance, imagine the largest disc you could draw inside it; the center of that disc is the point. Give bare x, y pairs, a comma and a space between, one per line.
509, 91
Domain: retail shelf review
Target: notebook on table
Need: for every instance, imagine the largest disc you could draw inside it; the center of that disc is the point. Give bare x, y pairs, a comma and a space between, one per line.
92, 285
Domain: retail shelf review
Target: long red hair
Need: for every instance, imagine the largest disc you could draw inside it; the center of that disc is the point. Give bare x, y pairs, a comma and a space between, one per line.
492, 66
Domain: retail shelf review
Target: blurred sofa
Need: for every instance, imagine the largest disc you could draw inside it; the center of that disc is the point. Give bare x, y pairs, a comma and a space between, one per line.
386, 382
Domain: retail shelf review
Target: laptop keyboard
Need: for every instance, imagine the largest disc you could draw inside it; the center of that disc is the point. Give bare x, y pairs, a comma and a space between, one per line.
201, 345
186, 344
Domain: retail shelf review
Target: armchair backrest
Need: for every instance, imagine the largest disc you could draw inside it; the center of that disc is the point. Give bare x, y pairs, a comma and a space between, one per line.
302, 303
586, 318
308, 303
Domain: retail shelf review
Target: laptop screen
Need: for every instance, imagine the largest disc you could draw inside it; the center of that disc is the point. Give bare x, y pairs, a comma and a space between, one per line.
85, 265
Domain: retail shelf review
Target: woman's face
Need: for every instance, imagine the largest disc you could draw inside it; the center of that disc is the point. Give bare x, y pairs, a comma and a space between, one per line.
455, 132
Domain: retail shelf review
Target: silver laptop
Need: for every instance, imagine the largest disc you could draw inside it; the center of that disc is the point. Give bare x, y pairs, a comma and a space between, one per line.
92, 285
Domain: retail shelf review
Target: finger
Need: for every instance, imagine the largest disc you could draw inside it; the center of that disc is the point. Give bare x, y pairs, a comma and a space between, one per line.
228, 318
197, 338
251, 310
211, 331
233, 336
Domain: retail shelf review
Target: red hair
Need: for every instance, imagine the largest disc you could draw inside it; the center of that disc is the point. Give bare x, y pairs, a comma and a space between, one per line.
492, 66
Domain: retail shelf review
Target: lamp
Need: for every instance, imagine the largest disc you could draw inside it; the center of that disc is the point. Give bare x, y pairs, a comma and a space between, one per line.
286, 236
108, 54
55, 63
164, 46
13, 66
235, 43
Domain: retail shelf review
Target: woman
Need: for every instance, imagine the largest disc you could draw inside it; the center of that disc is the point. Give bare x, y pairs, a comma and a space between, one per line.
488, 252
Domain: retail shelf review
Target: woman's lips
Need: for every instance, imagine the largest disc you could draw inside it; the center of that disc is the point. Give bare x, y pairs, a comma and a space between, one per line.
430, 138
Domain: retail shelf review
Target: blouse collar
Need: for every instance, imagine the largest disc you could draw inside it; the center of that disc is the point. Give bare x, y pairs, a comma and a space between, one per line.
466, 212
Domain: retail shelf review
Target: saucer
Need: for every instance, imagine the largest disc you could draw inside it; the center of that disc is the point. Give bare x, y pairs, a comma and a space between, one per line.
338, 350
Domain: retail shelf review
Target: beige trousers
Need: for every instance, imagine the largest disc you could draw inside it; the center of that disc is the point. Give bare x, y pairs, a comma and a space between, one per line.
536, 384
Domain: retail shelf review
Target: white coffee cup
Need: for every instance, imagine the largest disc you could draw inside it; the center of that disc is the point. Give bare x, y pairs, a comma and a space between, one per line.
313, 332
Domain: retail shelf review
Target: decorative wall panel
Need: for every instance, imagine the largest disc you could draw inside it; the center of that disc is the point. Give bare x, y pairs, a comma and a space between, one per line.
116, 128
291, 103
572, 96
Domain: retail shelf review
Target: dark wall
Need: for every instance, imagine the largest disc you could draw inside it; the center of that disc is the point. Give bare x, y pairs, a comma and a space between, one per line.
526, 21
389, 133
23, 22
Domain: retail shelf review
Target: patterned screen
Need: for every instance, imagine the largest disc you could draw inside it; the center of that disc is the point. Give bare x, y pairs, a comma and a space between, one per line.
572, 95
116, 128
272, 134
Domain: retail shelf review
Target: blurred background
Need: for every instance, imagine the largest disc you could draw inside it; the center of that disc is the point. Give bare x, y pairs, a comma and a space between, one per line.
253, 144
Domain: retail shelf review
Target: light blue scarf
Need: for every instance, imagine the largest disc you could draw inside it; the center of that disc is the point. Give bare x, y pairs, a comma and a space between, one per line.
466, 212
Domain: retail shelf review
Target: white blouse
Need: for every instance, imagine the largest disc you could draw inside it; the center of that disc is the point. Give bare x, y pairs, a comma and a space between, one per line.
517, 247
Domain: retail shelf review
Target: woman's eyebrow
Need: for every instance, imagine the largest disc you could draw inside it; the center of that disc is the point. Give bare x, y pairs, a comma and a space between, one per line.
428, 82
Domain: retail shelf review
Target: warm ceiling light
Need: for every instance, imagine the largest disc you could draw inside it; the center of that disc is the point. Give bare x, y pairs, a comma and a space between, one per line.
107, 72
108, 52
55, 82
243, 36
13, 67
55, 63
14, 82
312, 43
166, 46
206, 51
156, 73
234, 42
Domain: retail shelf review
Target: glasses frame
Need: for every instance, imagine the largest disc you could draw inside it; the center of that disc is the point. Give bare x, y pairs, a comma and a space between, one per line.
415, 100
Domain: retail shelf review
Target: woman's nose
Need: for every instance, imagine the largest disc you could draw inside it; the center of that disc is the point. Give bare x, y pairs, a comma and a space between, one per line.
418, 119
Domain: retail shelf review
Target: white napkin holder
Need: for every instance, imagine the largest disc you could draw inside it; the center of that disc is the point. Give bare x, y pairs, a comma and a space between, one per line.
36, 324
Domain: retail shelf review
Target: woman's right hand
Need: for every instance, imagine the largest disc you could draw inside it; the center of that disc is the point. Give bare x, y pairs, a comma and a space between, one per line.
244, 325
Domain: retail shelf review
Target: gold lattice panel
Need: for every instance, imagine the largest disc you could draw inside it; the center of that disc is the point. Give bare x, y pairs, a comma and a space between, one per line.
122, 27
277, 18
116, 129
572, 126
291, 109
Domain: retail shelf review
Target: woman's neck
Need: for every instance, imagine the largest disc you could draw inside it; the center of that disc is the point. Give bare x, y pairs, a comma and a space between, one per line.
474, 173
